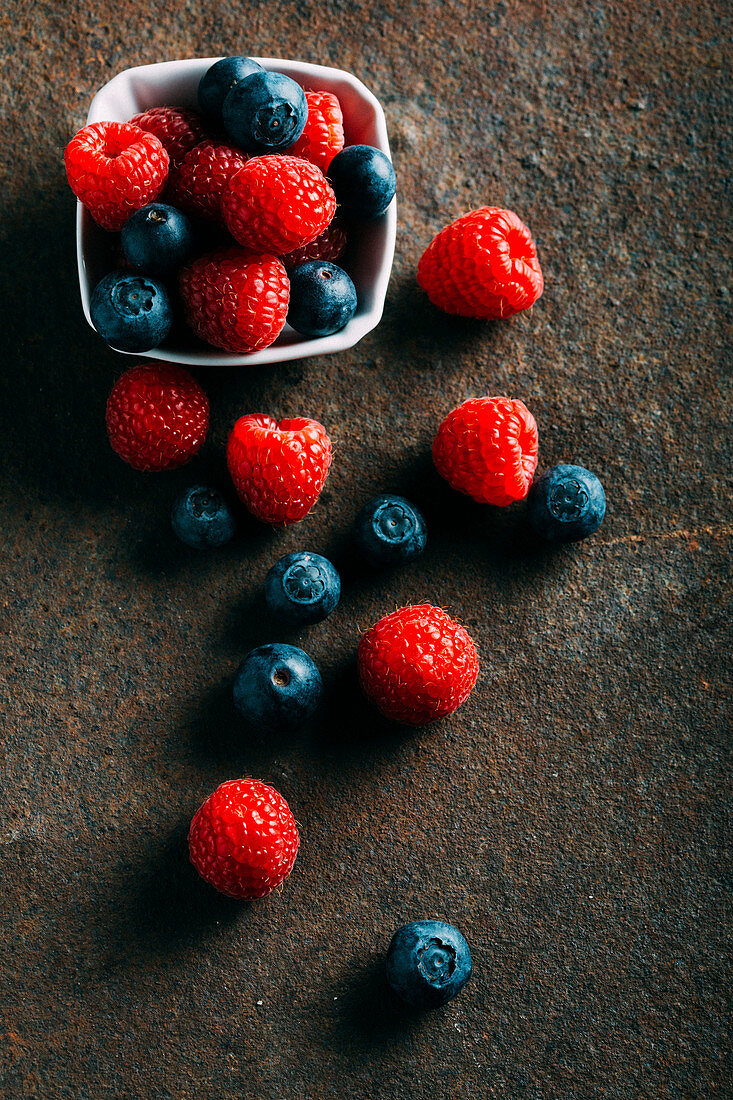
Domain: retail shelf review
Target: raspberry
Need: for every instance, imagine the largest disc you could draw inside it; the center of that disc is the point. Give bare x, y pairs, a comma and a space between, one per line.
417, 664
483, 265
243, 840
487, 449
330, 245
323, 136
114, 169
277, 203
197, 184
157, 416
235, 300
179, 130
278, 470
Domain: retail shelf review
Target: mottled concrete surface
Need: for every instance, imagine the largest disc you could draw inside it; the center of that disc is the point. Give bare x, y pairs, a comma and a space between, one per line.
571, 818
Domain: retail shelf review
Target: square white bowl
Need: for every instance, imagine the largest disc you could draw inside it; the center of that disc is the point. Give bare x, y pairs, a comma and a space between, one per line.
371, 244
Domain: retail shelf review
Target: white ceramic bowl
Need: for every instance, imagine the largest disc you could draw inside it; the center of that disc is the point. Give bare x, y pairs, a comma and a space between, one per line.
371, 245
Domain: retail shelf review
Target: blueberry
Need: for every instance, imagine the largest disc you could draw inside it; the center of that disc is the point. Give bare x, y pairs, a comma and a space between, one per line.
322, 298
131, 312
265, 113
566, 503
218, 81
277, 687
302, 588
389, 530
201, 517
428, 962
363, 180
157, 238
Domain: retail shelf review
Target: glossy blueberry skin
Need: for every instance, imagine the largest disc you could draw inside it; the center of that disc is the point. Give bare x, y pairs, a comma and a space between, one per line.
322, 298
428, 963
131, 312
363, 180
277, 687
265, 113
389, 530
565, 504
302, 588
218, 81
157, 238
201, 518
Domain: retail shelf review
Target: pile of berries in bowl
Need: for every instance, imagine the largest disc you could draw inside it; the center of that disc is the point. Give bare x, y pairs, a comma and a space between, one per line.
233, 211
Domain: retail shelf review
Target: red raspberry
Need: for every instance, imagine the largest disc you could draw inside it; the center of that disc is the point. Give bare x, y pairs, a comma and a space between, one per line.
277, 203
323, 136
244, 839
487, 449
417, 664
278, 469
483, 265
198, 183
179, 130
330, 245
236, 300
157, 416
114, 169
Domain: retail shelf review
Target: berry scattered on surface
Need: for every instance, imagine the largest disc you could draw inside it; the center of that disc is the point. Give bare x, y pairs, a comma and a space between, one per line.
428, 963
157, 238
390, 530
363, 180
235, 300
329, 245
302, 588
198, 182
131, 312
114, 169
566, 503
201, 518
265, 113
277, 687
417, 664
243, 840
278, 469
323, 135
322, 298
178, 129
218, 81
482, 265
157, 416
487, 449
277, 203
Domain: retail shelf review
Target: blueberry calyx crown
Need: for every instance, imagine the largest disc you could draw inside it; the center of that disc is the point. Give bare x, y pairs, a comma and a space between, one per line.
204, 502
437, 961
274, 122
568, 500
393, 522
304, 582
133, 296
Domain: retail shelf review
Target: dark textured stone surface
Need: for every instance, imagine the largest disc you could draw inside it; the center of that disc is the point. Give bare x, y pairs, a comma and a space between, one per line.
570, 819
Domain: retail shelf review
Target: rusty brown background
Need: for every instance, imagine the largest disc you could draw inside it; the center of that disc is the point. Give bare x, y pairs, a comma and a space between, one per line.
570, 819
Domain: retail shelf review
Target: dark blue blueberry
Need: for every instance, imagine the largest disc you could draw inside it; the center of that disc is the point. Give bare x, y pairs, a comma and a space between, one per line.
389, 530
131, 312
302, 588
363, 180
277, 687
201, 517
566, 503
428, 962
265, 113
157, 239
322, 298
218, 81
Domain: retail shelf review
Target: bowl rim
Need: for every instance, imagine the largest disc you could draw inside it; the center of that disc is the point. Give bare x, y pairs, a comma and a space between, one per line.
359, 325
